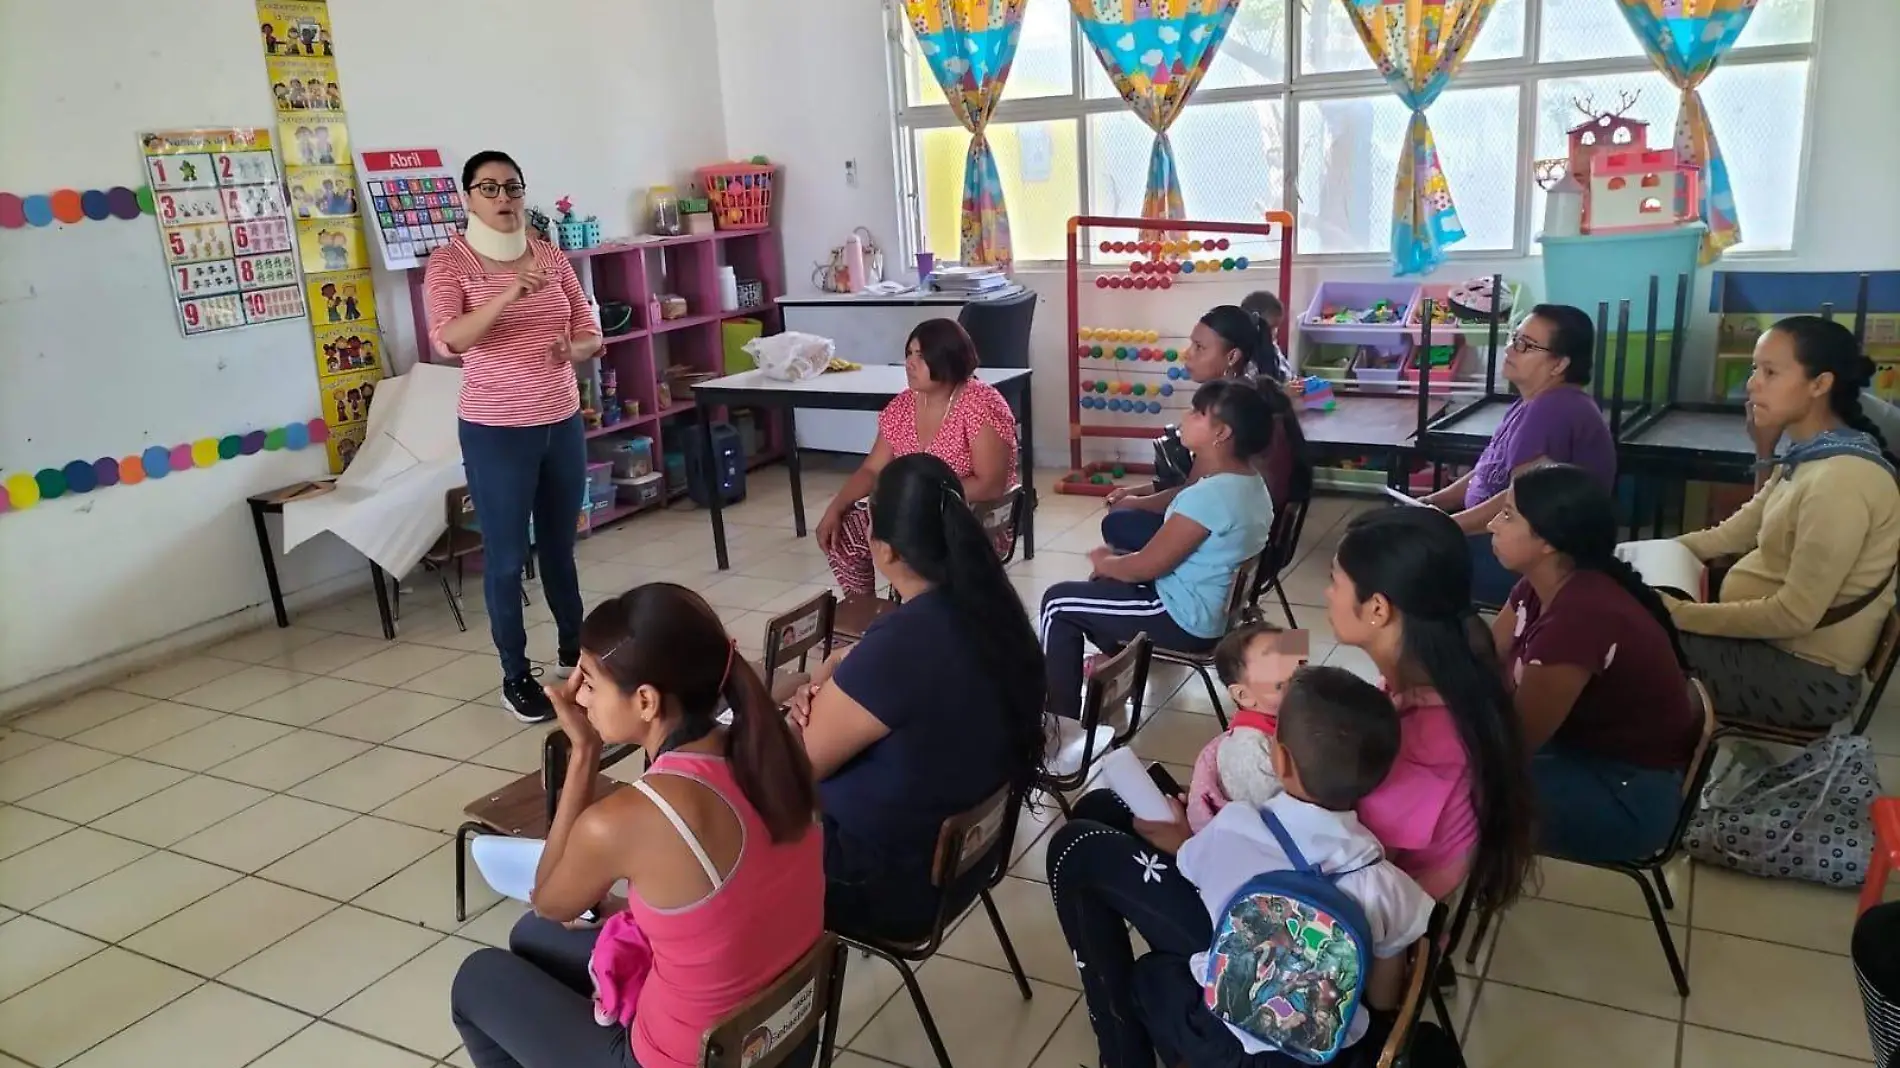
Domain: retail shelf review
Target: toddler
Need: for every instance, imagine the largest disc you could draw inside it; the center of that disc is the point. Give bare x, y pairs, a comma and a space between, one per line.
1254, 662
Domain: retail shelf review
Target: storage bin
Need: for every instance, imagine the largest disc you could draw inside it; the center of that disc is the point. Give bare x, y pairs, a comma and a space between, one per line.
751, 293
674, 464
741, 194
1377, 369
632, 457
1445, 372
735, 333
1476, 331
641, 492
1593, 268
1358, 296
600, 481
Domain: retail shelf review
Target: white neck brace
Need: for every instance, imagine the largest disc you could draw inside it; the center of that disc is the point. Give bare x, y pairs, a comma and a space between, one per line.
494, 244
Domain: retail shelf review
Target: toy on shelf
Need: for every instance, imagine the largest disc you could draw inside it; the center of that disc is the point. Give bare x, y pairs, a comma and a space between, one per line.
1316, 394
1603, 131
741, 193
1639, 190
576, 233
1477, 300
1127, 384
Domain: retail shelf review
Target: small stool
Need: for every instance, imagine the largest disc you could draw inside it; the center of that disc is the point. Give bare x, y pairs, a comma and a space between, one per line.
1886, 852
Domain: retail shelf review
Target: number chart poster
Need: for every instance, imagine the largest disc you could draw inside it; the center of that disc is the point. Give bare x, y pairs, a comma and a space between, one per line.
226, 233
326, 235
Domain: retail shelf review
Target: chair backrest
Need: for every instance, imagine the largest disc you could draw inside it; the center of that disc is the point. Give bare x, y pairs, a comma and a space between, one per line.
459, 539
769, 1026
1421, 969
970, 838
1002, 516
1880, 668
1000, 329
1700, 767
1240, 592
793, 634
1283, 543
1119, 680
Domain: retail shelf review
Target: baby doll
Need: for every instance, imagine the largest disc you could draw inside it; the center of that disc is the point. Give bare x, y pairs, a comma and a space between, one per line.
1255, 663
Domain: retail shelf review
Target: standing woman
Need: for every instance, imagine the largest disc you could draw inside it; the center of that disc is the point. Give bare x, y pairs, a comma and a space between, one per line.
511, 311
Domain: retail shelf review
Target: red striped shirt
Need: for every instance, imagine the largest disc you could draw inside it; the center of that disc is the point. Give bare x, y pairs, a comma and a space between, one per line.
508, 377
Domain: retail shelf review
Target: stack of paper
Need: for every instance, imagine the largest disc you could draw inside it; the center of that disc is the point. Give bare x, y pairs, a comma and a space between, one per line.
969, 279
1668, 566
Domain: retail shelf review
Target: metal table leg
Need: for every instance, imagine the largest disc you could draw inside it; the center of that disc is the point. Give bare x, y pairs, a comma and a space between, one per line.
382, 600
793, 465
270, 564
716, 496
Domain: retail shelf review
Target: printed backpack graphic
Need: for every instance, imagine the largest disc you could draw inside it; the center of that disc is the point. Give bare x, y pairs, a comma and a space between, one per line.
1288, 960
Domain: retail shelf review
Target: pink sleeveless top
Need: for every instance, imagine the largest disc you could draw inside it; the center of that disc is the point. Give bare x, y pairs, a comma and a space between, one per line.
712, 955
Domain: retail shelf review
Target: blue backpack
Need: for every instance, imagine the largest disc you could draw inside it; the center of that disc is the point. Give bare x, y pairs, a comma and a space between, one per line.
1289, 958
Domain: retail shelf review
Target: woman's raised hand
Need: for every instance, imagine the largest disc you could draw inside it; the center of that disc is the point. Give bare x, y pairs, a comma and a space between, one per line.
572, 717
528, 281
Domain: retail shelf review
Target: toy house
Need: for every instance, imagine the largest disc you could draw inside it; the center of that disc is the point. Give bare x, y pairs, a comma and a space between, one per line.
1607, 132
1639, 189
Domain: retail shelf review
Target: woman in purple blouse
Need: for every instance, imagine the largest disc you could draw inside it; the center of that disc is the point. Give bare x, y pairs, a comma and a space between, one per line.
1554, 420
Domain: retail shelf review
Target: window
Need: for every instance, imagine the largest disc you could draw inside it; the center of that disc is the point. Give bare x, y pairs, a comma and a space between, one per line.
1292, 113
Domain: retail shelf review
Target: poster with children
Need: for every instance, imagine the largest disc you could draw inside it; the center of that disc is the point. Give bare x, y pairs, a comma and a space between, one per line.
294, 27
314, 138
343, 298
331, 245
344, 443
300, 84
345, 348
323, 192
346, 397
216, 198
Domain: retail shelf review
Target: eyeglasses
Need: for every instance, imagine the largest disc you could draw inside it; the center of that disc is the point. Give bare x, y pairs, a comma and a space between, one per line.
1520, 343
491, 190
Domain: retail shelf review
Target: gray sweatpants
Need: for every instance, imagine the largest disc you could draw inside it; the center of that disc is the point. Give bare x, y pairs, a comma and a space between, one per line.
1752, 681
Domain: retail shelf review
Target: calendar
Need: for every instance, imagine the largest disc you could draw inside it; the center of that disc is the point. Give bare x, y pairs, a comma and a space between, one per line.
224, 226
412, 203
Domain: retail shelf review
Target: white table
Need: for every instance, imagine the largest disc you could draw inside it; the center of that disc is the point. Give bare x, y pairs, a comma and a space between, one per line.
868, 390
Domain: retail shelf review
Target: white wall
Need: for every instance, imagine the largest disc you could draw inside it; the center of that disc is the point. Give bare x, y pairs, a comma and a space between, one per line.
1848, 220
595, 99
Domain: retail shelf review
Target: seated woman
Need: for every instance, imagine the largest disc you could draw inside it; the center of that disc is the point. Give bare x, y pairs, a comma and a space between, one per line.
716, 842
1228, 342
1554, 420
1597, 669
947, 412
937, 708
1455, 805
1799, 613
1175, 588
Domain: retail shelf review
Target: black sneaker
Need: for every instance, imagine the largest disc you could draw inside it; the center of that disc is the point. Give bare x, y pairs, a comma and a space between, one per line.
566, 664
526, 701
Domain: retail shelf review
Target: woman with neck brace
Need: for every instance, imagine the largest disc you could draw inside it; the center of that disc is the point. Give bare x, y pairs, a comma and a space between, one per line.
511, 311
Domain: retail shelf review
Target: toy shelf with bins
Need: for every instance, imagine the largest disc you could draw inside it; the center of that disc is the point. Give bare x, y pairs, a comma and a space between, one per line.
1381, 357
633, 273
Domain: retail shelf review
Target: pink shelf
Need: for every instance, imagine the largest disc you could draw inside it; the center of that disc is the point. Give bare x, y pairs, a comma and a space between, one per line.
631, 335
667, 326
615, 428
676, 408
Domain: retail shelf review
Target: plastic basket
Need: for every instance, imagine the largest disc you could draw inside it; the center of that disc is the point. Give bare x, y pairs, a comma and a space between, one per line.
741, 195
1357, 295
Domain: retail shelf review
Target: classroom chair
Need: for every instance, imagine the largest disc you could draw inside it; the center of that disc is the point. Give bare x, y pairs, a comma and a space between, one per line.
1647, 871
999, 329
1003, 517
795, 634
1240, 611
768, 1027
1283, 547
1421, 965
1114, 691
857, 611
972, 858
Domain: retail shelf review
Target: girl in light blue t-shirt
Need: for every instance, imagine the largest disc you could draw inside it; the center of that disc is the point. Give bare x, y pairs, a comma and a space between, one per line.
1175, 588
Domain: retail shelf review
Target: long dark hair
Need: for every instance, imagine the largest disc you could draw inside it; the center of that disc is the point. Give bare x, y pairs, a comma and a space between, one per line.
1573, 514
1416, 558
1827, 347
667, 637
1247, 332
917, 508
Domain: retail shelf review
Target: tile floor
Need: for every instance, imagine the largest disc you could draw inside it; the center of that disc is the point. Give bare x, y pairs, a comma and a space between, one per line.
244, 857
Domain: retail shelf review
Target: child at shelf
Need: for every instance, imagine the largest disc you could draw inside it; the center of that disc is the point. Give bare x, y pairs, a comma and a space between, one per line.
1174, 588
1255, 663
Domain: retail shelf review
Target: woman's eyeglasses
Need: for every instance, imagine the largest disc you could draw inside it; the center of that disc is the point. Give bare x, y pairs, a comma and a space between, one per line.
491, 190
1520, 343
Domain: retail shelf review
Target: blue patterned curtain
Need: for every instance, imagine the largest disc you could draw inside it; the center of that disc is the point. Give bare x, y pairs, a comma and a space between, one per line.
969, 45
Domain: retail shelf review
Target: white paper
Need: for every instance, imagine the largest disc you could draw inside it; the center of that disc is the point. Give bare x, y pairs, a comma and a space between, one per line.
1122, 772
1666, 565
1404, 498
507, 864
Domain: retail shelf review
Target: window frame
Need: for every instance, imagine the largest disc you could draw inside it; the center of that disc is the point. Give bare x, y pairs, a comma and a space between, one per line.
1523, 72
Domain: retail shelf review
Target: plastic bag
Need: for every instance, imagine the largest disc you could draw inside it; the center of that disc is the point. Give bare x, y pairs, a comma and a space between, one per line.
791, 356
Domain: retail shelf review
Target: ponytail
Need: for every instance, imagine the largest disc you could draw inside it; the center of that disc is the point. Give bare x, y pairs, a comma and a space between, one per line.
917, 508
667, 637
1621, 573
1246, 333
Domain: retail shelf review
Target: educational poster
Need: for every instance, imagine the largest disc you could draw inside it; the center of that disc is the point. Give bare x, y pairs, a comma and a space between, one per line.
343, 298
414, 203
323, 192
224, 227
322, 212
331, 245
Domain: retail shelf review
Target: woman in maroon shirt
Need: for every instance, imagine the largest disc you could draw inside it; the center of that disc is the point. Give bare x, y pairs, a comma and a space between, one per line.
1596, 668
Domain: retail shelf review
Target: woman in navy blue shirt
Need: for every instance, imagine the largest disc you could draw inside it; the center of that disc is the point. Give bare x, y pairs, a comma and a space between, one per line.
937, 708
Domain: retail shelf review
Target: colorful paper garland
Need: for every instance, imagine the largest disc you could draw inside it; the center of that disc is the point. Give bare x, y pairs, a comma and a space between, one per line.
22, 491
73, 206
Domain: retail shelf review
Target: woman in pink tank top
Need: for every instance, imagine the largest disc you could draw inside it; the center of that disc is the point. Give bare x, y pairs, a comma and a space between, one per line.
716, 842
1457, 804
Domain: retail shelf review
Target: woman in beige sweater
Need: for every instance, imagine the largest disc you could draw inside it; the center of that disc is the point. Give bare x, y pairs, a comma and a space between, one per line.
1800, 612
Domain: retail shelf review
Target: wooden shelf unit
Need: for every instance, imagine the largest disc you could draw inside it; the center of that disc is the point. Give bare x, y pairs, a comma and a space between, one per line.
687, 266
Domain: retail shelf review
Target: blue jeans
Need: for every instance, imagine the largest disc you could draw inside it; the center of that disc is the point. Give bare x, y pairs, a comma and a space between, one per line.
1594, 809
1128, 530
515, 472
1490, 582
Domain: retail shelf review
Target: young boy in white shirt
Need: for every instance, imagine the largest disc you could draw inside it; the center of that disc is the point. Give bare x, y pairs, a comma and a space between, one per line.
1336, 739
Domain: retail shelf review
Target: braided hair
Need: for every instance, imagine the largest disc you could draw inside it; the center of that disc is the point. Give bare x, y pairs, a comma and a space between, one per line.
1826, 347
1573, 514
